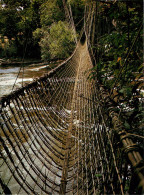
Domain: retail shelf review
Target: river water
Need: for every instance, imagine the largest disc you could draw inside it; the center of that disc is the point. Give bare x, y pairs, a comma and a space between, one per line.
8, 75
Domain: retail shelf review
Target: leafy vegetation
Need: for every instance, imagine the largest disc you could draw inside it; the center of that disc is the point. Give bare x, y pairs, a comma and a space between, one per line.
26, 25
18, 20
118, 50
56, 38
57, 41
51, 11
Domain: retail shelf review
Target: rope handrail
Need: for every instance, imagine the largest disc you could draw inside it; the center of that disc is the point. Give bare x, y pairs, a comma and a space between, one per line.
6, 98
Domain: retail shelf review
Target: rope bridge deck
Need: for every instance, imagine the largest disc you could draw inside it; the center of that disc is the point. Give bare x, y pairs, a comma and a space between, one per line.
54, 139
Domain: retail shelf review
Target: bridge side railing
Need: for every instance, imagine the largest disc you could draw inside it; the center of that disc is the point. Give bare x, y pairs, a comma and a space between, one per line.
131, 152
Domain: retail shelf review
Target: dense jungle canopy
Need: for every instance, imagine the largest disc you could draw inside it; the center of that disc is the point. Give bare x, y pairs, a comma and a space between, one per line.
36, 26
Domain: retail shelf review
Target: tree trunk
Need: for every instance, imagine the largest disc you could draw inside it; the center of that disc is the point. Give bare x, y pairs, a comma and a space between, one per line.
69, 18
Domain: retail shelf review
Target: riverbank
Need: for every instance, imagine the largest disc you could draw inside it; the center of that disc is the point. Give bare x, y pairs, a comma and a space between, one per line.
19, 62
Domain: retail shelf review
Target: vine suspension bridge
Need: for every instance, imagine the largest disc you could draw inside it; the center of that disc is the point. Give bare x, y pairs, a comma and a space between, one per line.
57, 139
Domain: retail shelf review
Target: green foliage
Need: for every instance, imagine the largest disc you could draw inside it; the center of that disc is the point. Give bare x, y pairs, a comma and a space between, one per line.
79, 2
8, 25
17, 3
51, 12
115, 45
44, 43
98, 175
77, 7
58, 42
8, 50
18, 20
22, 19
76, 2
119, 54
38, 33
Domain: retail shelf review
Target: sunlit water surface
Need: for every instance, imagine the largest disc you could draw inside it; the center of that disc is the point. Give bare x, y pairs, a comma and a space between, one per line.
8, 75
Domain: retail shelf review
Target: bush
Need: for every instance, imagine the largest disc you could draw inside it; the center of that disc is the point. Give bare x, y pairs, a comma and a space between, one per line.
8, 50
57, 41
